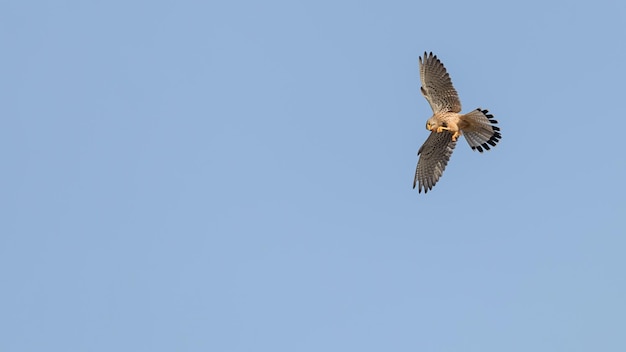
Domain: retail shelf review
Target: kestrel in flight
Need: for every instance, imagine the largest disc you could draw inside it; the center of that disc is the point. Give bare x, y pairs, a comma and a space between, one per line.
447, 124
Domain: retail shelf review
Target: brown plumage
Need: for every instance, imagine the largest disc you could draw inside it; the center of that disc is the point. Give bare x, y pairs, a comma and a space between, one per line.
447, 124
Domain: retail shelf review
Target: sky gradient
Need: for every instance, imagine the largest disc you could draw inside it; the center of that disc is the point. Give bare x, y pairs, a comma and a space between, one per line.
236, 176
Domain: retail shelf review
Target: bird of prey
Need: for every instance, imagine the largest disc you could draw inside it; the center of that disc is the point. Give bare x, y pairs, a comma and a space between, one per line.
447, 124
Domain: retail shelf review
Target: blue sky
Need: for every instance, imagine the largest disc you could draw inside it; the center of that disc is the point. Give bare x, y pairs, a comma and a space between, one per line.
236, 176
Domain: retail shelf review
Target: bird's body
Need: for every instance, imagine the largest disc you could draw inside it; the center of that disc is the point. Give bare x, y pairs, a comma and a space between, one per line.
450, 121
447, 124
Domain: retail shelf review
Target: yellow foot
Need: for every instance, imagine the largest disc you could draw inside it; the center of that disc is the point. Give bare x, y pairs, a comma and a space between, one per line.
456, 136
441, 129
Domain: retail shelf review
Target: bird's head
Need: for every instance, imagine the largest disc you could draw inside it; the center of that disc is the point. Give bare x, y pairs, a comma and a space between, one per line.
431, 124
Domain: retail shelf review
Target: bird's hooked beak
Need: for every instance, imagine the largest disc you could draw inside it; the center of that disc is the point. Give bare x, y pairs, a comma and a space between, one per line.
429, 126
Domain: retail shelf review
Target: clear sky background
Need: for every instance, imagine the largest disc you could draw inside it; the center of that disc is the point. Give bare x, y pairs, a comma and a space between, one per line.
236, 176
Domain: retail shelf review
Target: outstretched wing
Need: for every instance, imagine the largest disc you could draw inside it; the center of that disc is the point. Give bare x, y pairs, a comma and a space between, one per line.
434, 155
436, 85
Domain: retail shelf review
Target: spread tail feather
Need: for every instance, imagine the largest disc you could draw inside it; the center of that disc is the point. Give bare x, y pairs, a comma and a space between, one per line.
480, 130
